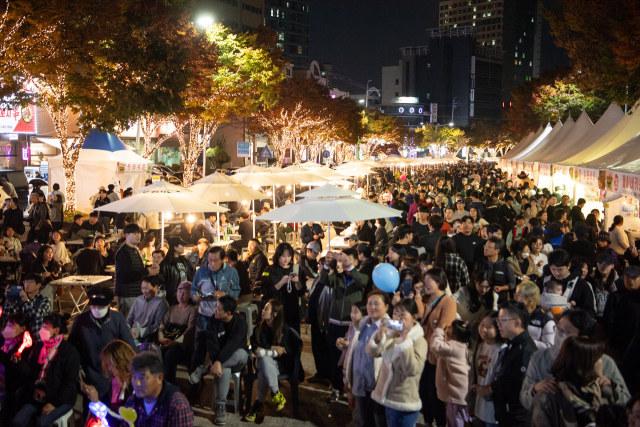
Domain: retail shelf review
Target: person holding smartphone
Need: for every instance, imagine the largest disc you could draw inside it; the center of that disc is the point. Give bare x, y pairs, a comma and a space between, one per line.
281, 281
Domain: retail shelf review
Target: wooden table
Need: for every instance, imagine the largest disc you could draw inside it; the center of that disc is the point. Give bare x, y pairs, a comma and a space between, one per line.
84, 282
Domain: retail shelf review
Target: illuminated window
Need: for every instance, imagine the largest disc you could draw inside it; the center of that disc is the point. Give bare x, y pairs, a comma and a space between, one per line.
516, 54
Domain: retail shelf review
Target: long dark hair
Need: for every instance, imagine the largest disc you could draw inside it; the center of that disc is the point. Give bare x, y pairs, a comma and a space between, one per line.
576, 361
439, 276
284, 246
147, 239
445, 246
604, 284
487, 299
479, 215
591, 221
168, 258
413, 264
493, 315
278, 322
617, 220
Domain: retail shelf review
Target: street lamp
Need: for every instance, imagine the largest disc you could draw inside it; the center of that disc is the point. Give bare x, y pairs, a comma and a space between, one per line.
366, 95
205, 21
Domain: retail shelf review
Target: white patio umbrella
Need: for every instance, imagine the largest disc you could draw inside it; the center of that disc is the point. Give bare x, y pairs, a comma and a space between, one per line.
328, 191
174, 202
330, 209
216, 178
227, 191
161, 187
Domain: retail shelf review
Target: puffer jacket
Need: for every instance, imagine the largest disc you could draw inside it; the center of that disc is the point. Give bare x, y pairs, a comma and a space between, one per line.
452, 371
403, 362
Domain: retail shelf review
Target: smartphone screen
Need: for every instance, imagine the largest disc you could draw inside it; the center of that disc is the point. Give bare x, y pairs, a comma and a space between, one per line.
407, 287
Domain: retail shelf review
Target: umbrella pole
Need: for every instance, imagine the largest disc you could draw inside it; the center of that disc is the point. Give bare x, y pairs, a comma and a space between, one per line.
273, 193
329, 234
253, 207
218, 214
162, 232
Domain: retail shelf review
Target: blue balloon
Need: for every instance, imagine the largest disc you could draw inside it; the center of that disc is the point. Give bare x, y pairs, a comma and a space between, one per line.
386, 277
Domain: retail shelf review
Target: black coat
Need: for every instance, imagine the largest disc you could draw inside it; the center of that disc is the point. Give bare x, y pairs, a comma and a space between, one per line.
62, 376
366, 267
507, 217
13, 218
576, 215
501, 273
366, 234
290, 300
257, 264
430, 241
508, 382
223, 340
621, 317
290, 339
171, 275
16, 374
382, 236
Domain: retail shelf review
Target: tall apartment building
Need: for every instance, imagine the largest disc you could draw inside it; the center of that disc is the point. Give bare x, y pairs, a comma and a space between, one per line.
239, 15
290, 19
484, 15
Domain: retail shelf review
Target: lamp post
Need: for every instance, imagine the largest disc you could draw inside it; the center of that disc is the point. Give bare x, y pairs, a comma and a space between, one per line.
366, 96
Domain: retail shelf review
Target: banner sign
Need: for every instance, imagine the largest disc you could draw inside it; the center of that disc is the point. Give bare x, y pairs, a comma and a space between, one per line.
618, 181
18, 120
545, 169
589, 178
134, 168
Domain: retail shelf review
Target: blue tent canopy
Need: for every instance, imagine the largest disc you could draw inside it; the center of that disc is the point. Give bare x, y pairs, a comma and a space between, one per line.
103, 141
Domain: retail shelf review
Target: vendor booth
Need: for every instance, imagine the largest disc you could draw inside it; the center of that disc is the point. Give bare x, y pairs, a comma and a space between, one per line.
103, 160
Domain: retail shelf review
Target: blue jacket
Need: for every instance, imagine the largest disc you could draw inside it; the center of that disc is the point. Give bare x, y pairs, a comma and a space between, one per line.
225, 280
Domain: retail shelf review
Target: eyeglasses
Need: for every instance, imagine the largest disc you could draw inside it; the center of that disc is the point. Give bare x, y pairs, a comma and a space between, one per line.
505, 320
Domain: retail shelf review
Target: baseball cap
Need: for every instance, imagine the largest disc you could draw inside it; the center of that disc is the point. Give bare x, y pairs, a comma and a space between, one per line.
176, 241
605, 258
362, 246
632, 271
354, 238
436, 210
314, 246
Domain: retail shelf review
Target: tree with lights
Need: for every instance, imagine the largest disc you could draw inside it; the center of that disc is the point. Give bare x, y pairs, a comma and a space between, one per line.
236, 75
149, 125
92, 59
380, 129
563, 98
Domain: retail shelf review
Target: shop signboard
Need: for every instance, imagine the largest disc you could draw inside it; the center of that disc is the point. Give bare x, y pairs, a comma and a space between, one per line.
18, 120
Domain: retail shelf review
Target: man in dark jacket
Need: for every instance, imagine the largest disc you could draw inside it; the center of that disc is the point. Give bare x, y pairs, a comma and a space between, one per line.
228, 351
311, 232
513, 361
89, 261
582, 247
75, 230
91, 331
573, 287
130, 269
576, 214
621, 316
93, 225
467, 241
366, 233
170, 407
507, 214
38, 216
256, 260
504, 279
367, 264
430, 241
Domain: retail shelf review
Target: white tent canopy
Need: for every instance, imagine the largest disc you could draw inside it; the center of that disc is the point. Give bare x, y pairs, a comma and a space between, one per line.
524, 143
609, 127
551, 140
581, 128
103, 160
548, 135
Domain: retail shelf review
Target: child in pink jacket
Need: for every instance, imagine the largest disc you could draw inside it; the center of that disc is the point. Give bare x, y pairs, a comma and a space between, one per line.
452, 371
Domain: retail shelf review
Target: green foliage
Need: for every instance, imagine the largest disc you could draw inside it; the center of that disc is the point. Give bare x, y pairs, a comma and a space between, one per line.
218, 155
175, 167
378, 126
69, 214
563, 98
443, 136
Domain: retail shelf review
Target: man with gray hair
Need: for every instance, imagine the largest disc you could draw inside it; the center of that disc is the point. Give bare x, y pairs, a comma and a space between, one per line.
8, 188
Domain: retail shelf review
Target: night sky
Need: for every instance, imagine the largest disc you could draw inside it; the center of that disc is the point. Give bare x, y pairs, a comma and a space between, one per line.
359, 37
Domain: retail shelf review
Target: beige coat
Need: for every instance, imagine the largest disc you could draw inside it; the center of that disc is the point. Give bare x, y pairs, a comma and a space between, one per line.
398, 383
619, 240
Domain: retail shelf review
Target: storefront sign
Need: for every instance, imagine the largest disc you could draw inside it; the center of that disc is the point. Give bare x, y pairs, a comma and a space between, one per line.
589, 178
545, 169
18, 120
134, 168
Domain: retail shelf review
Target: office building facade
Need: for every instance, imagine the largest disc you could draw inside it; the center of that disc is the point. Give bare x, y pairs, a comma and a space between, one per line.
239, 15
290, 19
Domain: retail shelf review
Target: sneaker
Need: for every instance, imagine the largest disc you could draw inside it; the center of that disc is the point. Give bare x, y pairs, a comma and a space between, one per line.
278, 400
197, 375
221, 414
256, 412
335, 396
315, 379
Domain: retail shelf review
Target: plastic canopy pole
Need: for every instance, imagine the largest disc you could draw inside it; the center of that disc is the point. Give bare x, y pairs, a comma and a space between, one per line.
329, 234
218, 213
273, 192
162, 232
253, 206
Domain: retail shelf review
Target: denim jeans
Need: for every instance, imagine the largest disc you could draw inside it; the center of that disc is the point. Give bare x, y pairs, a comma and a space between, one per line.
27, 412
401, 418
371, 412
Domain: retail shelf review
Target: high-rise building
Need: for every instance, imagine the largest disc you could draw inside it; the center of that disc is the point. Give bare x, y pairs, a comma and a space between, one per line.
290, 19
484, 15
239, 15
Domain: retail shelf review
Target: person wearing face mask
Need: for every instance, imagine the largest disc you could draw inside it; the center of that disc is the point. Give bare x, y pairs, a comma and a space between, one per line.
14, 371
55, 371
538, 374
521, 262
90, 333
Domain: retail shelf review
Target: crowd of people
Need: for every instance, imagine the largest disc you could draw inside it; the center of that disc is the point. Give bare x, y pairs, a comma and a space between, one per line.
512, 308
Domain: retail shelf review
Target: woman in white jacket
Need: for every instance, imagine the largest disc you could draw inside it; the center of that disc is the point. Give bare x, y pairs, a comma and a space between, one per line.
541, 327
403, 353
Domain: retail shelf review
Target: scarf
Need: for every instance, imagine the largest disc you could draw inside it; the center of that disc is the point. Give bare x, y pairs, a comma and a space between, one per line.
10, 344
49, 349
585, 401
